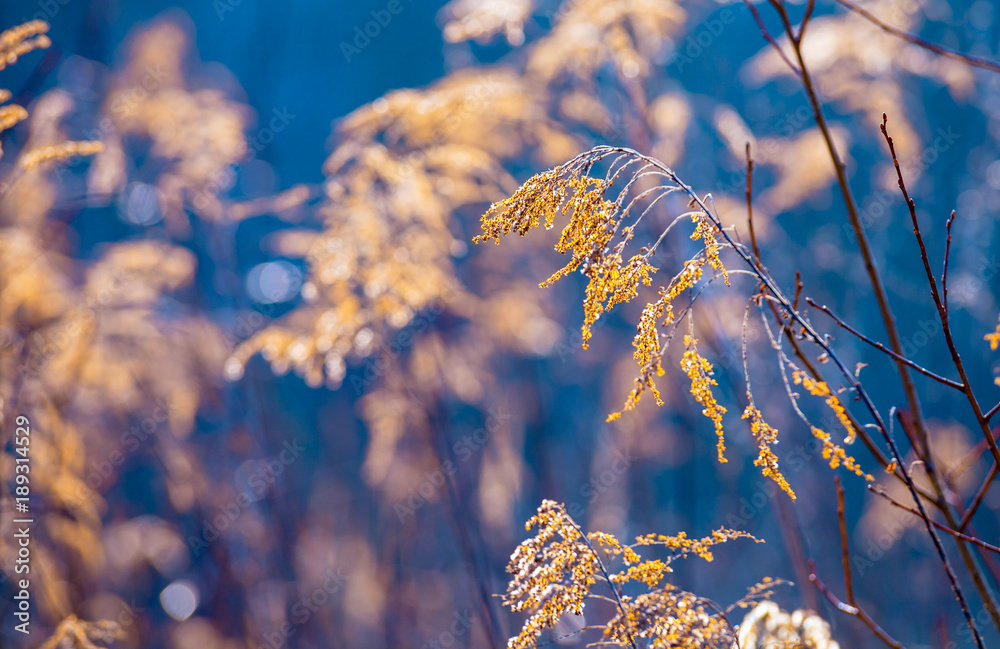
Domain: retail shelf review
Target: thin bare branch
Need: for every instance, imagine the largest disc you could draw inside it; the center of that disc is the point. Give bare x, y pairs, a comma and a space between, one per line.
882, 348
845, 553
942, 310
980, 494
974, 61
943, 528
770, 39
805, 19
947, 258
852, 609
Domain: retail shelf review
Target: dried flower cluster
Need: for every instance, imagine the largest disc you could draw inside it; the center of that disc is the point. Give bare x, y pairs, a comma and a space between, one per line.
18, 41
832, 452
402, 166
699, 371
766, 436
993, 338
599, 210
555, 572
481, 21
193, 134
769, 626
79, 634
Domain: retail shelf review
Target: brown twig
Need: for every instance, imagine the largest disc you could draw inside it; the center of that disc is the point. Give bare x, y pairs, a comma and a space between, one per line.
875, 279
943, 528
882, 348
851, 609
798, 290
980, 494
919, 42
942, 310
947, 258
796, 544
845, 554
749, 195
860, 614
861, 432
805, 19
770, 39
839, 605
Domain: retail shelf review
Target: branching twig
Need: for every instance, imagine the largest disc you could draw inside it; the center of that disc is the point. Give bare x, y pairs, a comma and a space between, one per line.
941, 308
770, 39
881, 299
919, 42
851, 609
943, 528
882, 348
857, 612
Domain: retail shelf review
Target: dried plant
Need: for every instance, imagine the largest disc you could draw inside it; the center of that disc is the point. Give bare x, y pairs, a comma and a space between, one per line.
601, 210
554, 574
769, 626
91, 348
611, 207
78, 634
426, 335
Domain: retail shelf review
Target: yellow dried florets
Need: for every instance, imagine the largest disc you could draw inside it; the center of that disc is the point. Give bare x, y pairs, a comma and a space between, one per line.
699, 370
592, 224
20, 40
832, 452
650, 573
821, 389
648, 355
541, 195
836, 455
993, 338
705, 230
554, 570
58, 152
671, 618
681, 544
766, 436
11, 115
594, 221
552, 573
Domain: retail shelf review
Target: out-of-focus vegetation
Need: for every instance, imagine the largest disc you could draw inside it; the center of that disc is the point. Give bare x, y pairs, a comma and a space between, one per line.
282, 413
